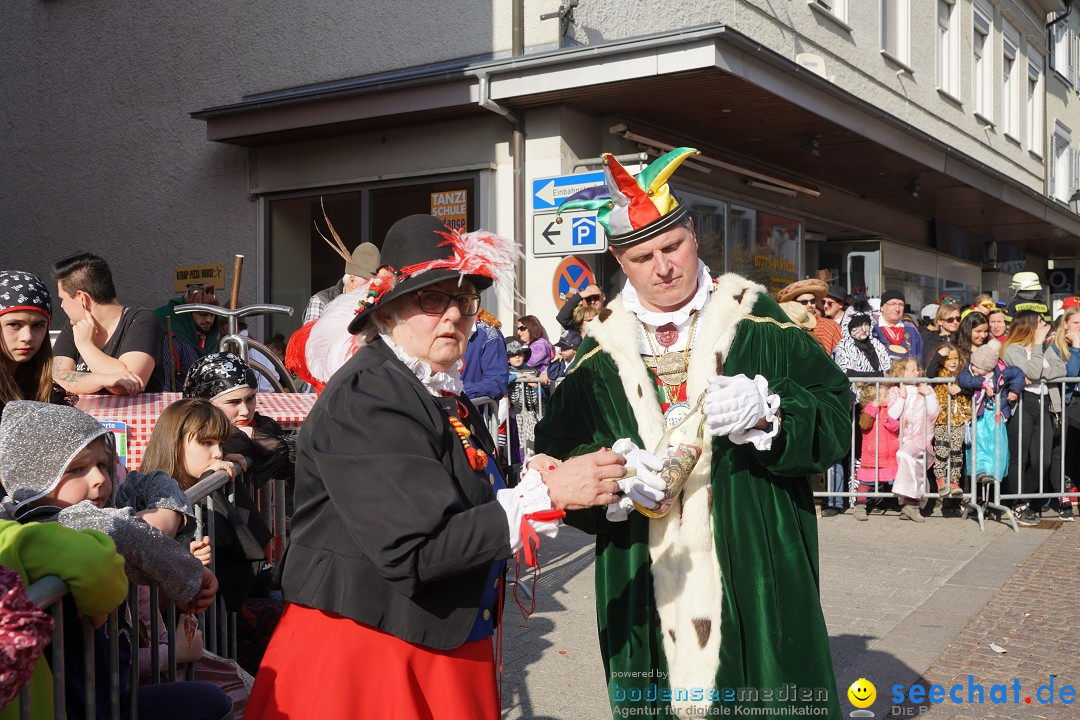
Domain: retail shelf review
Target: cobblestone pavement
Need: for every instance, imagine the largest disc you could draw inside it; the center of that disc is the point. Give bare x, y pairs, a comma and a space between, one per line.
1033, 618
895, 596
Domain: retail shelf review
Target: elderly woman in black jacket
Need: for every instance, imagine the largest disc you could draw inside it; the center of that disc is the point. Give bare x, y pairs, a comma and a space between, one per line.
403, 523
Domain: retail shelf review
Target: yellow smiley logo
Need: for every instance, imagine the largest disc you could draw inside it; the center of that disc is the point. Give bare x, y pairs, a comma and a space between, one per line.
862, 693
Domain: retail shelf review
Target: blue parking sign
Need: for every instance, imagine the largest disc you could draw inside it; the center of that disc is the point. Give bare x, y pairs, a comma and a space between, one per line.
583, 231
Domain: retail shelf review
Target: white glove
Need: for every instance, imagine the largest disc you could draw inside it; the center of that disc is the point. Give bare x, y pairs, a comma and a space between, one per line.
644, 485
618, 512
734, 405
528, 496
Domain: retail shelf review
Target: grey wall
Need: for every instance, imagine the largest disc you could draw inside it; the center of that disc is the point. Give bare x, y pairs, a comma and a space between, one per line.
98, 151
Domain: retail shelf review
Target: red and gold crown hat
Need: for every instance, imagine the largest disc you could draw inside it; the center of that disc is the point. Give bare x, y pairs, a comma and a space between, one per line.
420, 250
634, 209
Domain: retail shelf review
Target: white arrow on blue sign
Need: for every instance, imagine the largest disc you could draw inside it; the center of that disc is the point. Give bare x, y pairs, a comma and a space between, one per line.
550, 192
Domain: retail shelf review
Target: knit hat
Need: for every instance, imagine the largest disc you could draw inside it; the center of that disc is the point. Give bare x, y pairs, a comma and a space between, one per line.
24, 291
859, 319
364, 261
420, 251
891, 295
37, 442
801, 287
633, 210
217, 374
986, 356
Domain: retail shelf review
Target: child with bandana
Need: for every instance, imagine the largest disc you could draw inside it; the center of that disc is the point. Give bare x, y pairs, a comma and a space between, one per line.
25, 350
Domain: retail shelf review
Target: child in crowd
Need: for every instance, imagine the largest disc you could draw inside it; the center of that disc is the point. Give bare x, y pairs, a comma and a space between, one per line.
916, 408
986, 377
25, 350
57, 463
523, 398
230, 385
94, 573
880, 440
955, 403
566, 350
187, 444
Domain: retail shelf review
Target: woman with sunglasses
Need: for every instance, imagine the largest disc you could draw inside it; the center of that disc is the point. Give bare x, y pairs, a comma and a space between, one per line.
533, 336
393, 577
947, 322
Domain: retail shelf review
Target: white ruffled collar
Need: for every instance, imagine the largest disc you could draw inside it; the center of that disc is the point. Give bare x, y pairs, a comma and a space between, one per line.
679, 317
435, 383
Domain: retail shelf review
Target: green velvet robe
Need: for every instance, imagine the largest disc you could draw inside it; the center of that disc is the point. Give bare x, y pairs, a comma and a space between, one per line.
750, 516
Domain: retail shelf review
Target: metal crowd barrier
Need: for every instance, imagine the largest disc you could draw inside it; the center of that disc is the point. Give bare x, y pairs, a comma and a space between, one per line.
217, 624
978, 497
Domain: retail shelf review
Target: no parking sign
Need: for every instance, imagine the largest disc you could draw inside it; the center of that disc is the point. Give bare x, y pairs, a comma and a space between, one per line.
572, 272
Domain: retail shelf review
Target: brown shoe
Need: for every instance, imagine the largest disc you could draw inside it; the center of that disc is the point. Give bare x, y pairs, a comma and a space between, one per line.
911, 512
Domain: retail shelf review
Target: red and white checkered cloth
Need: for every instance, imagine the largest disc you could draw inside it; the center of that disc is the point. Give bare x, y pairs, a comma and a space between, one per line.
141, 412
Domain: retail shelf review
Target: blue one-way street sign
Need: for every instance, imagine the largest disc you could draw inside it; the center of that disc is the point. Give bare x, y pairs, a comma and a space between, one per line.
548, 193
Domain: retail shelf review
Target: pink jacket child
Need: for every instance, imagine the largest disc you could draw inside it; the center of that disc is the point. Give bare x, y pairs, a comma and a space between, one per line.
880, 443
915, 408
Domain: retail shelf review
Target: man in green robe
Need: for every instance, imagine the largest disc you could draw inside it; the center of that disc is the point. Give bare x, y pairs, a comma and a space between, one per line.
714, 606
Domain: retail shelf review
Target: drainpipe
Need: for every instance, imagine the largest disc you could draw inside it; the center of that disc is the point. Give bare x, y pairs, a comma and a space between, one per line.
517, 151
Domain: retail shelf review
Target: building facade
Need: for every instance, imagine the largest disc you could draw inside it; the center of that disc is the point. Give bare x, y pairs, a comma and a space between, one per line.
892, 143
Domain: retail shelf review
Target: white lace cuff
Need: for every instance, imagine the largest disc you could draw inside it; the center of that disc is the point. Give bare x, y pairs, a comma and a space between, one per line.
529, 496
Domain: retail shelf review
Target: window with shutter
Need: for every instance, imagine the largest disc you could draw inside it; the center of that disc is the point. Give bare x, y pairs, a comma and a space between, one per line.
1053, 165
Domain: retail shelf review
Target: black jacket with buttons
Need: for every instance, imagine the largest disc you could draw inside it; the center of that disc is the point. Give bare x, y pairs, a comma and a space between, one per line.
392, 527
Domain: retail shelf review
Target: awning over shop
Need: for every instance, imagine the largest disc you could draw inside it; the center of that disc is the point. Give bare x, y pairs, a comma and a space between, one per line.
710, 87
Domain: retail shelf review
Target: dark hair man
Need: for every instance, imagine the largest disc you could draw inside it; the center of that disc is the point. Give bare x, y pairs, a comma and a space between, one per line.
107, 347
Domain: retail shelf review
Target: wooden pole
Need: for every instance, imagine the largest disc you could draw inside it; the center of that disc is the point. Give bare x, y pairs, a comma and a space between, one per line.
234, 296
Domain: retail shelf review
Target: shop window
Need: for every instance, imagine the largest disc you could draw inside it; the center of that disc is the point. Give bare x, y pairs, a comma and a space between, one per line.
301, 263
764, 247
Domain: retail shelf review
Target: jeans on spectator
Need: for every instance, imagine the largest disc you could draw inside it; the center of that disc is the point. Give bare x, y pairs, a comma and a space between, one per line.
1039, 455
837, 475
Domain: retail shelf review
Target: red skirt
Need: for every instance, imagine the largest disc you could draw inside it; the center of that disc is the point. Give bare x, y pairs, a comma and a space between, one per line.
322, 665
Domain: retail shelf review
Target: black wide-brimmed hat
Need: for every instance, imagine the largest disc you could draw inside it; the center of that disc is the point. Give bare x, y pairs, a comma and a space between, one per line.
419, 251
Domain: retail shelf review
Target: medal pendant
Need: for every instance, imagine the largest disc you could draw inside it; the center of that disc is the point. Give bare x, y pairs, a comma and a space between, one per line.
898, 349
671, 368
675, 413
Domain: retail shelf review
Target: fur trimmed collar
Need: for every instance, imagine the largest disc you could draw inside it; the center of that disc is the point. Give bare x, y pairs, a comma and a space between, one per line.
687, 585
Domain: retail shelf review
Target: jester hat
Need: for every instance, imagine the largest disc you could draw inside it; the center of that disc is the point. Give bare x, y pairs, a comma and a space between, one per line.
420, 250
631, 209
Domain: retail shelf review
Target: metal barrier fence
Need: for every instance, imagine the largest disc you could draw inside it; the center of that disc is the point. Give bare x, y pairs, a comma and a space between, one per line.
217, 623
978, 497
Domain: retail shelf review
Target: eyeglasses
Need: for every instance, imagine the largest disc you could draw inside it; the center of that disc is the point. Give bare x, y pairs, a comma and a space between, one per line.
954, 318
806, 302
434, 302
522, 328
